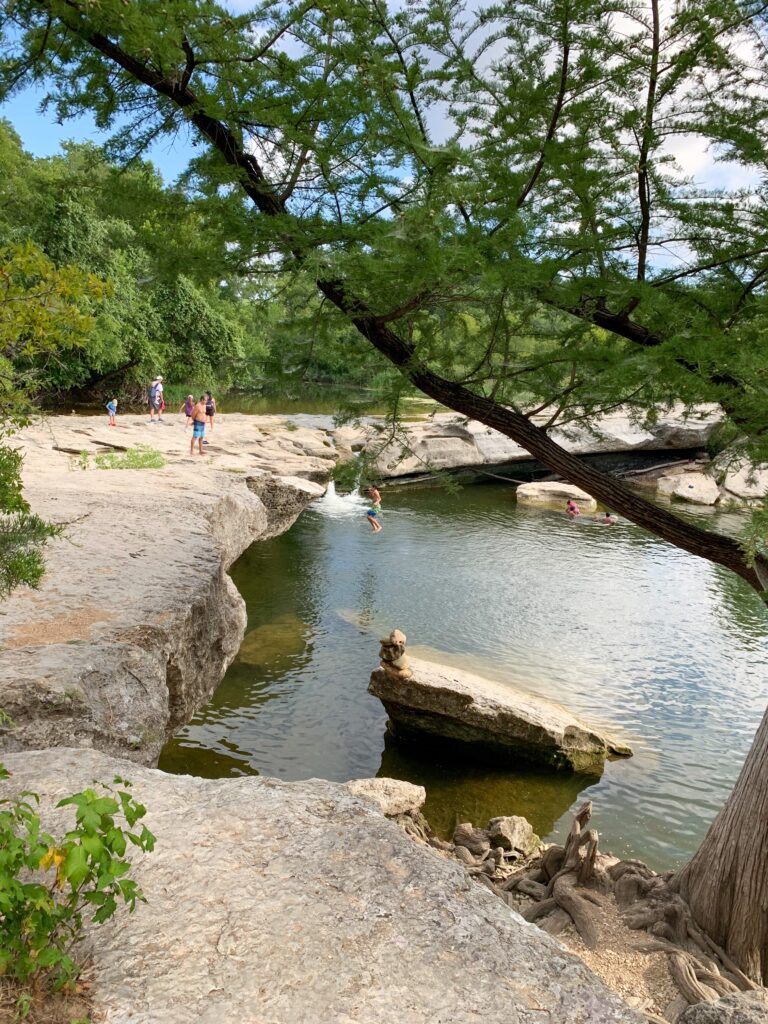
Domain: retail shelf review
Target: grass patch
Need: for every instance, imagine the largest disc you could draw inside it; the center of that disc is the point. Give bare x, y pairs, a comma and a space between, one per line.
18, 1004
140, 457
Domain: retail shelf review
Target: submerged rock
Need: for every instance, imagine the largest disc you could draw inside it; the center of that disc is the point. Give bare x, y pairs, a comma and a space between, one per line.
491, 720
300, 903
281, 642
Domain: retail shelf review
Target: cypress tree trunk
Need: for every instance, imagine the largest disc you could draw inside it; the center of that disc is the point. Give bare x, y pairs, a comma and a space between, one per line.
608, 489
726, 882
253, 181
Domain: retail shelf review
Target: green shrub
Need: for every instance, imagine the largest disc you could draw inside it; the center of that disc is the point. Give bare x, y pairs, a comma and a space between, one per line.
48, 886
140, 457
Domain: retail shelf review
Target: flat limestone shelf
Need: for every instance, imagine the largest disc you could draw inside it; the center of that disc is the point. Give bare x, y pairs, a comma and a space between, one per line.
490, 720
136, 620
299, 903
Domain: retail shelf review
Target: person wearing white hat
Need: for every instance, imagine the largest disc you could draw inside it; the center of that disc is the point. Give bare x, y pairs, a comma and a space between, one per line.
156, 402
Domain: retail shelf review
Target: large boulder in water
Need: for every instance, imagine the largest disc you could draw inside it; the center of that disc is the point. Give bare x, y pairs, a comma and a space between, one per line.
549, 493
698, 488
745, 481
300, 903
490, 720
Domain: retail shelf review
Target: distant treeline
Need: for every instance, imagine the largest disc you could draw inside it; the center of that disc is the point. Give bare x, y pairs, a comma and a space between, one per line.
178, 298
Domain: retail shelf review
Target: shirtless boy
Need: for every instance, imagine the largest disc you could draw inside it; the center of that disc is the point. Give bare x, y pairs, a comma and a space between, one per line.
198, 426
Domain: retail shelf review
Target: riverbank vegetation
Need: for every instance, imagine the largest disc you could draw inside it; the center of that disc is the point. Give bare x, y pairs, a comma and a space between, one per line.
175, 299
513, 165
49, 888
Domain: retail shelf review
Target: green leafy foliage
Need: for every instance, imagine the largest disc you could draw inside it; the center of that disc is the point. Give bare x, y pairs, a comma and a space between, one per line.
142, 456
495, 185
546, 250
172, 302
49, 887
46, 312
23, 536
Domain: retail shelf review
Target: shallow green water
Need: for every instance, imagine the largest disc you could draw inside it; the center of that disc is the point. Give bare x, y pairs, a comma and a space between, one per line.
660, 647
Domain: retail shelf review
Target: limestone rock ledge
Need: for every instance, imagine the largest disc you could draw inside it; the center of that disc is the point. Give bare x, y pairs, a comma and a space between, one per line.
449, 441
300, 903
491, 719
136, 619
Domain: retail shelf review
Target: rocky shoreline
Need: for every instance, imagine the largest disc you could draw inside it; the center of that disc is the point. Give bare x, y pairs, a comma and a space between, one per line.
300, 903
136, 619
267, 901
447, 441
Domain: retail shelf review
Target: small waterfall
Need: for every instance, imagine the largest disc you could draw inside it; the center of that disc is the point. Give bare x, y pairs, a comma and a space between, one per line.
341, 506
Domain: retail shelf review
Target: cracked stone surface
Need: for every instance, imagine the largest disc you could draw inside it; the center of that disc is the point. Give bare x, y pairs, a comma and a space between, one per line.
136, 619
300, 903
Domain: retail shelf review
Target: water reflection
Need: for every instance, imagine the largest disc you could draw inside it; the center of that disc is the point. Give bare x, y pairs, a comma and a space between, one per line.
659, 647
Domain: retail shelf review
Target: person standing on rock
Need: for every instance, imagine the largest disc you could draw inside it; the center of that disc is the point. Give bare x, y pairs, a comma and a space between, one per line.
111, 408
156, 400
373, 513
210, 408
188, 407
198, 426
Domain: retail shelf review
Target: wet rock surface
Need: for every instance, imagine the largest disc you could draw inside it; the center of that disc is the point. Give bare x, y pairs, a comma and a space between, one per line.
698, 488
491, 720
300, 903
136, 619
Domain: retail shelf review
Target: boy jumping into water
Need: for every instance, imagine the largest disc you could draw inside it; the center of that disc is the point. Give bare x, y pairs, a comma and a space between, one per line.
372, 515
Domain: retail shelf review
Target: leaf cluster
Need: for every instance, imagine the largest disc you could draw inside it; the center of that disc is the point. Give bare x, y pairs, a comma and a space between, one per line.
49, 887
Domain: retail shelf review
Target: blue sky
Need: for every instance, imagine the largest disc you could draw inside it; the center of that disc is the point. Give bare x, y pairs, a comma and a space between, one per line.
42, 136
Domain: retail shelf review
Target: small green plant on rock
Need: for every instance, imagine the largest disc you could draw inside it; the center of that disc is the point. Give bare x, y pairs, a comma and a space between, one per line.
140, 457
48, 886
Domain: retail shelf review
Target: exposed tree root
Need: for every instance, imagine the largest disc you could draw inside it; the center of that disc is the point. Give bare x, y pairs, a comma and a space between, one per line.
570, 882
575, 884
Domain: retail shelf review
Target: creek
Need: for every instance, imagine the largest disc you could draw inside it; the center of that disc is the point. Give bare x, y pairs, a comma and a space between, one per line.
661, 648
